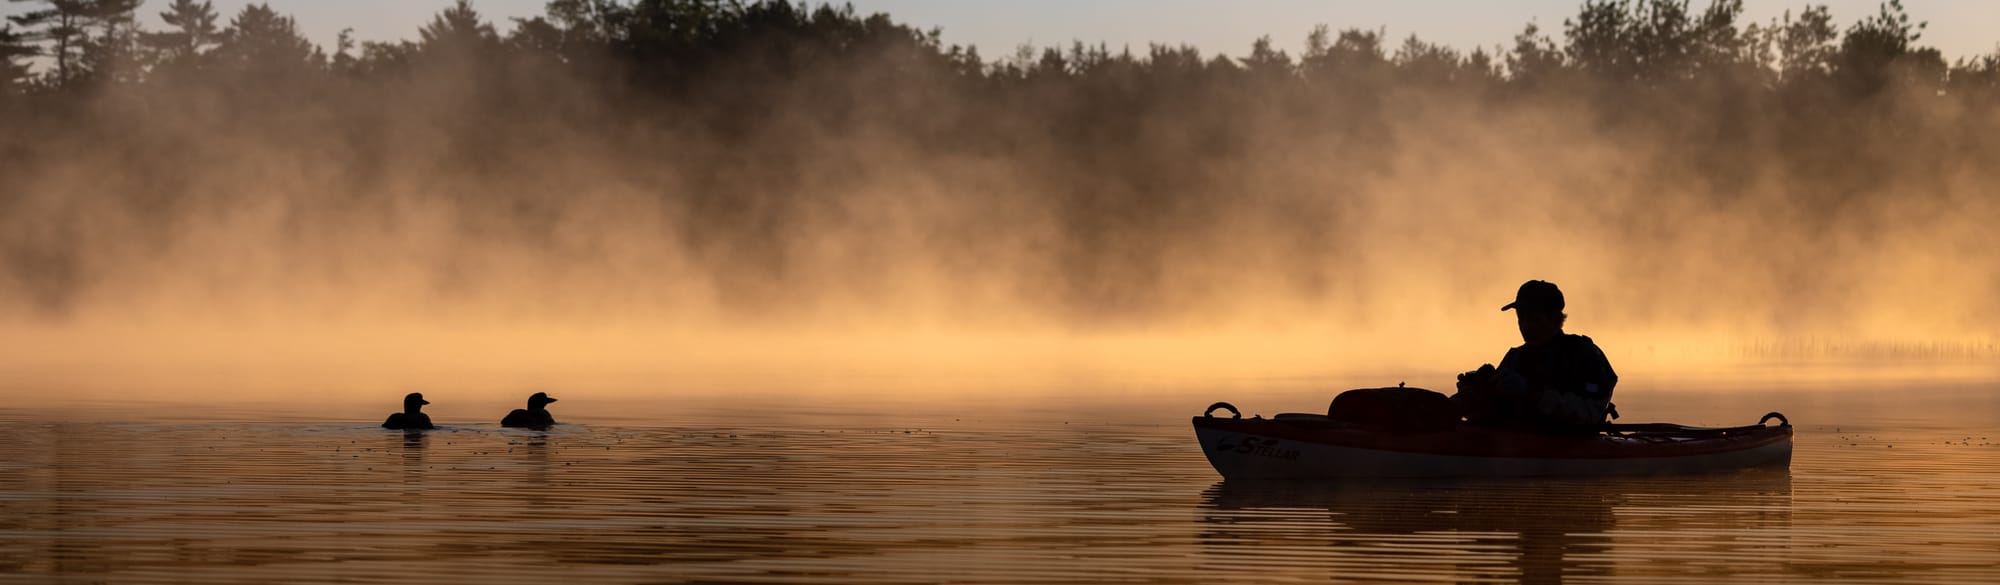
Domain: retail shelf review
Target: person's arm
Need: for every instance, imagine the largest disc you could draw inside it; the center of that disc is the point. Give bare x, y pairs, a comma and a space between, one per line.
1610, 375
1581, 391
1598, 379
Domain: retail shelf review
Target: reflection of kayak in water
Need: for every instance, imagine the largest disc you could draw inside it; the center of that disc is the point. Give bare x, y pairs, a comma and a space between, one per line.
1314, 446
1497, 504
1503, 530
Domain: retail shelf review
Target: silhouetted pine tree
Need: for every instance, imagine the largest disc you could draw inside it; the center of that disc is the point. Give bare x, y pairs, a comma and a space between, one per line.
1805, 46
193, 32
66, 26
1977, 76
14, 54
111, 50
1534, 59
262, 46
458, 32
1883, 47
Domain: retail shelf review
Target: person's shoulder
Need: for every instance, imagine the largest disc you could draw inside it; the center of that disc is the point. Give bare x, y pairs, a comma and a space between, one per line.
1571, 343
1582, 344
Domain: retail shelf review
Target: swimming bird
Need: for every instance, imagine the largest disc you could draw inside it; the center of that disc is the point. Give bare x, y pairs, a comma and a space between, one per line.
535, 416
412, 416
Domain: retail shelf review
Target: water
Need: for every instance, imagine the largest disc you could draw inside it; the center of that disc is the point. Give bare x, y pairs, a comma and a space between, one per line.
1897, 486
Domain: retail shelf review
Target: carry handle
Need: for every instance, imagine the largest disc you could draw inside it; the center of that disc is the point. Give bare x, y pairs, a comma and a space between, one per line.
1210, 413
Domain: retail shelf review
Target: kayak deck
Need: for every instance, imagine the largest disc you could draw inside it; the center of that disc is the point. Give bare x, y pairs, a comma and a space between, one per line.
1311, 446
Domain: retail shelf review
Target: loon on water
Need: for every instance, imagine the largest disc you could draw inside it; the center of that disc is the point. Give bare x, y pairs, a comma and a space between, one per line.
412, 416
535, 416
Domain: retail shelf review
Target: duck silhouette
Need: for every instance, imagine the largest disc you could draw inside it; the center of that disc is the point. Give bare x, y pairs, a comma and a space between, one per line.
412, 416
535, 416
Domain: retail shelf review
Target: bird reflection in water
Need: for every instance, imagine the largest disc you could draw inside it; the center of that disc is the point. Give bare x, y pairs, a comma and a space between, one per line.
532, 455
411, 445
1530, 530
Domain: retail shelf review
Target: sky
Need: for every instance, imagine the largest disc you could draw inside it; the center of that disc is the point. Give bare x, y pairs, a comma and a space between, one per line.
1958, 28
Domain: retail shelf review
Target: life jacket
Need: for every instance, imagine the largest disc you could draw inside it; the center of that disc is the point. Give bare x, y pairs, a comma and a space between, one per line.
1565, 380
1567, 363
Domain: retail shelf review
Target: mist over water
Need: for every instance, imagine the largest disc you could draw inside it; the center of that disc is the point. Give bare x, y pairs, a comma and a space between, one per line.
787, 206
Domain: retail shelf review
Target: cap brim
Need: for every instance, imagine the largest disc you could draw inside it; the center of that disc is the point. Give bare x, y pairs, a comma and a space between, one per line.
551, 399
1509, 306
421, 401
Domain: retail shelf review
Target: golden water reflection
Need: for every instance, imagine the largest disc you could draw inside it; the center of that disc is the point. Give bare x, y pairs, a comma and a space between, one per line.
1533, 531
1884, 487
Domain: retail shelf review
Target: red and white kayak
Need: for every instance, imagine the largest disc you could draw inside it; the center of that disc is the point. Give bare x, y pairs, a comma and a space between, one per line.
1301, 446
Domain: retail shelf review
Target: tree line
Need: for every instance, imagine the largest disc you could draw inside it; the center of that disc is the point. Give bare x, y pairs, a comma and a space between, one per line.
668, 43
1142, 169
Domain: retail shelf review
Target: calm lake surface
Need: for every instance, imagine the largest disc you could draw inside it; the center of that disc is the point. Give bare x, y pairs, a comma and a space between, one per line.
1901, 485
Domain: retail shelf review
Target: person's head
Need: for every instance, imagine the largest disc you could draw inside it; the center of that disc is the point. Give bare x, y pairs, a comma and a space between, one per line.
539, 400
1538, 307
414, 402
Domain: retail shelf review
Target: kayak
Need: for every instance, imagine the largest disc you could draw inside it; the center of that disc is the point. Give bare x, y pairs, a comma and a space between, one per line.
1308, 446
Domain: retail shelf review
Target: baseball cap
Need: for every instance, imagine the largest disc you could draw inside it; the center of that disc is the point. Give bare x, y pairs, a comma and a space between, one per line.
1537, 294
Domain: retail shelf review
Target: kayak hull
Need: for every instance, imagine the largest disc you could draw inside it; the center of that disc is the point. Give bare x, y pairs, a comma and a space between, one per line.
1314, 449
